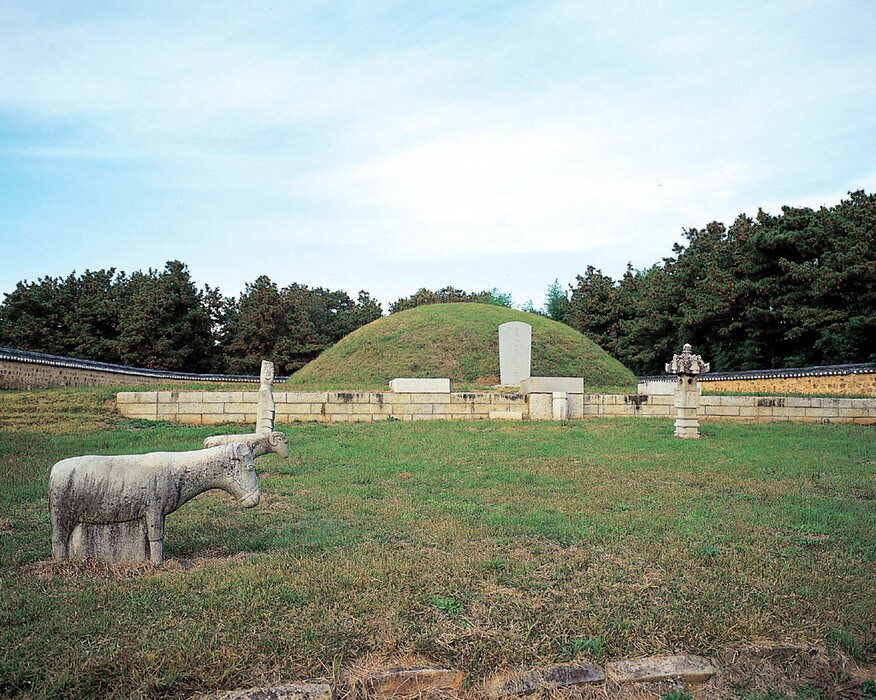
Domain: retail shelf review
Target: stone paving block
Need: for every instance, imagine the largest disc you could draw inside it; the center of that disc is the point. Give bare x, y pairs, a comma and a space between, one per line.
295, 691
576, 406
232, 407
222, 396
730, 400
469, 397
506, 415
139, 410
692, 669
412, 409
356, 417
346, 397
560, 676
190, 418
190, 396
541, 406
306, 396
128, 397
720, 410
395, 682
213, 418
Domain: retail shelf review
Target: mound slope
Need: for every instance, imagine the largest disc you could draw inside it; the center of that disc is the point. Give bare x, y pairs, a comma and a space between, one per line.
459, 341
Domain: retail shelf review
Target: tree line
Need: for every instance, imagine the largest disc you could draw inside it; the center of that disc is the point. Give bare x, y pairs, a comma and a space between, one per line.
790, 290
162, 320
794, 289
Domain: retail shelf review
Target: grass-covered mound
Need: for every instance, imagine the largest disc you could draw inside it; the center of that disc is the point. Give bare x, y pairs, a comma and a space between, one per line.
459, 341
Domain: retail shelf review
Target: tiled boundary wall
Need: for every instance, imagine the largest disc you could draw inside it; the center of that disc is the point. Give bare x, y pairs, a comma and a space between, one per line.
22, 369
827, 379
209, 407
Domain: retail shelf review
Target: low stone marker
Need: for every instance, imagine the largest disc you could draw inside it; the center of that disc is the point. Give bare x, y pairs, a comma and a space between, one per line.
113, 507
560, 676
394, 682
687, 391
693, 669
515, 352
404, 385
295, 691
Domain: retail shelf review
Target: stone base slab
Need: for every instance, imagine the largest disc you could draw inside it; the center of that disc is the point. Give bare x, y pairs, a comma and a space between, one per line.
112, 542
548, 385
420, 386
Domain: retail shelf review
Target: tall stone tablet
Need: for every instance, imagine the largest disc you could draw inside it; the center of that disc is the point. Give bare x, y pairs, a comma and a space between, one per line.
515, 352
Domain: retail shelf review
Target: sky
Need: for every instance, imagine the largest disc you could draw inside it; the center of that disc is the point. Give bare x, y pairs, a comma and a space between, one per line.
389, 146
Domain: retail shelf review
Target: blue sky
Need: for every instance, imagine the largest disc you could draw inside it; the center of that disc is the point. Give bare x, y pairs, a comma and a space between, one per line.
387, 146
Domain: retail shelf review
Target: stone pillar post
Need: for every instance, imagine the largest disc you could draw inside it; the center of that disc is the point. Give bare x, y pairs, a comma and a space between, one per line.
687, 391
266, 406
560, 405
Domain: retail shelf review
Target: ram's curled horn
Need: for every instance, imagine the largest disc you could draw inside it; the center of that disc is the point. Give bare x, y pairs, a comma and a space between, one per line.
276, 438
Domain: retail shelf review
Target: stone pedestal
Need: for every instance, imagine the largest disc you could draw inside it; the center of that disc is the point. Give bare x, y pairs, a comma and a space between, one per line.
687, 400
687, 367
560, 405
113, 542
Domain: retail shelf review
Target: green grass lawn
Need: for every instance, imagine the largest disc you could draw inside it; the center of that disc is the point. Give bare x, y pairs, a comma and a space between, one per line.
482, 545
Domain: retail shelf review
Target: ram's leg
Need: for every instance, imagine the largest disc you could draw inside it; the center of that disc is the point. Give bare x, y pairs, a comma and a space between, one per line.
155, 532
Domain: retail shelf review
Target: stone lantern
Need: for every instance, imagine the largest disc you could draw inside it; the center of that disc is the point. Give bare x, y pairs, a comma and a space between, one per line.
687, 392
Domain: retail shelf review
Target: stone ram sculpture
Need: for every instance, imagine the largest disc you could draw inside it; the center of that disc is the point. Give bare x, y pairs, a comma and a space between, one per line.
258, 444
114, 507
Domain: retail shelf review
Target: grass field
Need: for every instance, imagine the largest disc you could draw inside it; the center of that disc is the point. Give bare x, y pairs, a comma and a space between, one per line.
480, 545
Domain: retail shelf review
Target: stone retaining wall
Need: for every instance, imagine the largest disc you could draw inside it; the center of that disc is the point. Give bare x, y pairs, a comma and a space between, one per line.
207, 407
210, 407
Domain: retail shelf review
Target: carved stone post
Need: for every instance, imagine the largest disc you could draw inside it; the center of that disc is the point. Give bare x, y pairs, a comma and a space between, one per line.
266, 408
687, 391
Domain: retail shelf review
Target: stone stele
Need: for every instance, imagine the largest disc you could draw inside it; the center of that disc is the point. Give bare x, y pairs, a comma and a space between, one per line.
515, 352
113, 507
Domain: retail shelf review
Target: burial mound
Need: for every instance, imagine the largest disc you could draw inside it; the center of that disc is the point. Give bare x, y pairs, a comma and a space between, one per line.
459, 341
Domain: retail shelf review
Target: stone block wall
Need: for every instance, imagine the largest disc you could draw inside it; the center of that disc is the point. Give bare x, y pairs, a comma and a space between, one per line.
211, 407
